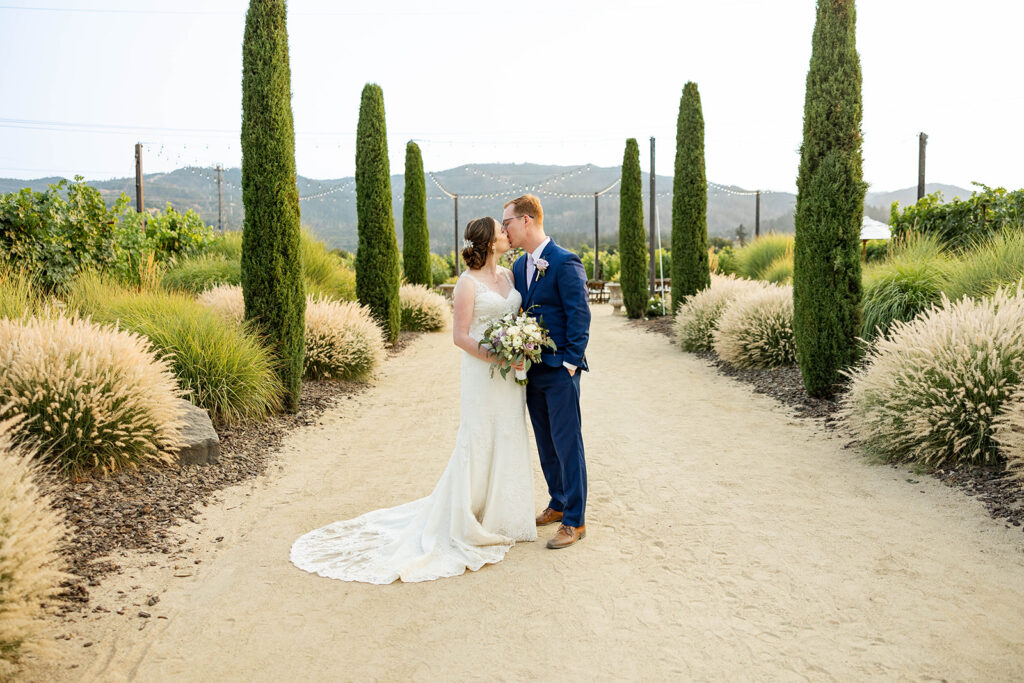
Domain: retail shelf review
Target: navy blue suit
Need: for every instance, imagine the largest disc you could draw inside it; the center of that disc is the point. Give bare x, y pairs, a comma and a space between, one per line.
559, 298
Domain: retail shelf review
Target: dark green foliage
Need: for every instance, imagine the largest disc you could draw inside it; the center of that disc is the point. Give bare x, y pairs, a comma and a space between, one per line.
960, 224
829, 205
56, 234
271, 250
632, 242
899, 291
377, 258
415, 236
690, 269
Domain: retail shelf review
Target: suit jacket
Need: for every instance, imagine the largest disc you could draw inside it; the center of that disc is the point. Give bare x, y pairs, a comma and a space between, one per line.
558, 297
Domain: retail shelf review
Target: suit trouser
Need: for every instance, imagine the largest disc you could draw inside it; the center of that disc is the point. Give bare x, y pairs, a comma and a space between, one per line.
553, 398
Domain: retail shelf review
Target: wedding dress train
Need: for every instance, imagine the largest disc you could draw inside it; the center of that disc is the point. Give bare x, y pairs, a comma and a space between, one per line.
481, 506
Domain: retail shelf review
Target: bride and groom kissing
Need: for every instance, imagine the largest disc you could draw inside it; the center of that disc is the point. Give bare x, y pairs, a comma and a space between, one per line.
483, 503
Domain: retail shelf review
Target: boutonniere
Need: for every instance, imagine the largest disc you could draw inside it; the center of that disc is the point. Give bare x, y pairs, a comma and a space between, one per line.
542, 267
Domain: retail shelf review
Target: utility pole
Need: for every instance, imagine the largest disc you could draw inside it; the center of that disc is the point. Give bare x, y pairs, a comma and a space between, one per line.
654, 197
922, 142
757, 214
220, 198
597, 260
457, 269
139, 203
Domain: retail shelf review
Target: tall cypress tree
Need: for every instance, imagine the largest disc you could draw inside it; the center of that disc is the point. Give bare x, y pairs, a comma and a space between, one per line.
691, 271
632, 242
415, 235
377, 258
271, 253
829, 204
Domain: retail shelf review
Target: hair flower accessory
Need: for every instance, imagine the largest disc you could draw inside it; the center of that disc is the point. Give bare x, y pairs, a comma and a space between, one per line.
468, 244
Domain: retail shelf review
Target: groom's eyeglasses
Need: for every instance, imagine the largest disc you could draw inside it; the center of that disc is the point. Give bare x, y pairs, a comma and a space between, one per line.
505, 223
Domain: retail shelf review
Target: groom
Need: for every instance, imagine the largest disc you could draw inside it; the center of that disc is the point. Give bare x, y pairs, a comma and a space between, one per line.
553, 282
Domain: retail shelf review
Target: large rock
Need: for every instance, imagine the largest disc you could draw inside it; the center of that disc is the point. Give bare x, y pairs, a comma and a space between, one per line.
200, 443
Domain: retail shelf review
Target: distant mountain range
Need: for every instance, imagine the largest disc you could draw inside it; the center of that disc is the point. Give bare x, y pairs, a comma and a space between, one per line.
329, 209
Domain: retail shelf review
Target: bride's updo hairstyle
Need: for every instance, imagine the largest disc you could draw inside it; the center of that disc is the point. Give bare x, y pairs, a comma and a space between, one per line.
479, 235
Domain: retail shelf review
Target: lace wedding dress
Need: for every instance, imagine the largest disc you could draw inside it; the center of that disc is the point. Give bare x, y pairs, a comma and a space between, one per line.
481, 506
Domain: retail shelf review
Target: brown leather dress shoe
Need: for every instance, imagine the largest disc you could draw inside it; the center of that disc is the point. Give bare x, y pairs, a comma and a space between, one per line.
566, 536
549, 516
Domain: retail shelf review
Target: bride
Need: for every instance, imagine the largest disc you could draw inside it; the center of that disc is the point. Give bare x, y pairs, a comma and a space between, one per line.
483, 503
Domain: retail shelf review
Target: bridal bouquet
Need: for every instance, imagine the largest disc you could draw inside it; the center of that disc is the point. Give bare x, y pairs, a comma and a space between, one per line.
516, 338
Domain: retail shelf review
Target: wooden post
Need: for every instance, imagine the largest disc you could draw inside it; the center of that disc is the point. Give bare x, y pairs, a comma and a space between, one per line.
654, 197
597, 261
220, 198
139, 203
457, 268
922, 142
757, 214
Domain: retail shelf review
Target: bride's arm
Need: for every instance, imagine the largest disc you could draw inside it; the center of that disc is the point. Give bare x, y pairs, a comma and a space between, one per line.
464, 296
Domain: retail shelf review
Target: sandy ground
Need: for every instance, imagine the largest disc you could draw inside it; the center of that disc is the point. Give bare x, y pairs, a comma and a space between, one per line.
726, 540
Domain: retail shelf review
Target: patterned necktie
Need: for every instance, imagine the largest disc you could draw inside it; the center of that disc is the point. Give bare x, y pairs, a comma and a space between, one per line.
530, 267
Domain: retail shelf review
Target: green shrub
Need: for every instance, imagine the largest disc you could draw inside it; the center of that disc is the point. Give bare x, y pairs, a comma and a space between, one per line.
779, 271
30, 533
632, 242
93, 397
697, 319
326, 273
271, 245
928, 392
58, 233
377, 277
756, 329
752, 260
440, 270
422, 309
960, 224
689, 201
158, 237
726, 259
202, 272
656, 307
225, 368
988, 265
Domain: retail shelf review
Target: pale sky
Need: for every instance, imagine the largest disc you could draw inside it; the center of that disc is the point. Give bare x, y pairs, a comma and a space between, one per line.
542, 82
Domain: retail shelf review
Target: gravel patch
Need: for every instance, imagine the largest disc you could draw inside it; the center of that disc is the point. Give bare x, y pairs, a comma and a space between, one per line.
136, 509
1001, 494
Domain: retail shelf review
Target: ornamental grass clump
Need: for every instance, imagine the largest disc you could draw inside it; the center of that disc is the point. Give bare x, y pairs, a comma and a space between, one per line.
698, 315
756, 330
1009, 433
30, 531
18, 293
93, 397
202, 272
910, 282
325, 273
423, 310
930, 390
993, 263
224, 367
754, 259
780, 271
343, 340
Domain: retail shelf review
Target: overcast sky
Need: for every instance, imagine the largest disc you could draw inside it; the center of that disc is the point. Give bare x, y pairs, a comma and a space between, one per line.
543, 82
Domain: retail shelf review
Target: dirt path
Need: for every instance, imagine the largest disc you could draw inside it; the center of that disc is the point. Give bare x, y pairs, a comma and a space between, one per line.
726, 540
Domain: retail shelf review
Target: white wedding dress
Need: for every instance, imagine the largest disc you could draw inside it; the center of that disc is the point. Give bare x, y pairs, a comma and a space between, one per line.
481, 506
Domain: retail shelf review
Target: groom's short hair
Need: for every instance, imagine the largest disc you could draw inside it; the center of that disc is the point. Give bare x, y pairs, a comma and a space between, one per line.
527, 205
